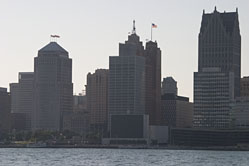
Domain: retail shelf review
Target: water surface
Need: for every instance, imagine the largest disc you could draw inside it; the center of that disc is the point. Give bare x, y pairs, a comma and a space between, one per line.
120, 157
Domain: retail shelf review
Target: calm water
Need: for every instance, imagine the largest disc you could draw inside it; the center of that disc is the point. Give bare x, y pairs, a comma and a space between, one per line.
119, 157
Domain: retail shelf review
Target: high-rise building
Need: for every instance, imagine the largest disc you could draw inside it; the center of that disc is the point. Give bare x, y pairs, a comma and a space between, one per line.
220, 44
22, 97
213, 93
244, 87
97, 100
5, 118
53, 88
177, 111
127, 86
169, 85
217, 81
153, 82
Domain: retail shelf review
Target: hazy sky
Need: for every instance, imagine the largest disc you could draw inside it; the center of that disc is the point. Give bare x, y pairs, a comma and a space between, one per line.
90, 31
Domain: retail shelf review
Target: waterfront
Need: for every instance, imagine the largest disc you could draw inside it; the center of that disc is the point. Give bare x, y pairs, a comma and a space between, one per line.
115, 157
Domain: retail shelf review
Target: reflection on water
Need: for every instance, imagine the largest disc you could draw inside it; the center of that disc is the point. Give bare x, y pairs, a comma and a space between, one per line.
118, 157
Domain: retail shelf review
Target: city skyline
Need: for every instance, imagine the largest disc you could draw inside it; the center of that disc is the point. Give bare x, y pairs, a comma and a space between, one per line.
82, 36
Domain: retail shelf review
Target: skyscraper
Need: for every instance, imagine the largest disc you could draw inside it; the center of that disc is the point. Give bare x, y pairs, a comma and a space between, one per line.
22, 96
53, 88
97, 99
127, 86
217, 81
220, 44
153, 82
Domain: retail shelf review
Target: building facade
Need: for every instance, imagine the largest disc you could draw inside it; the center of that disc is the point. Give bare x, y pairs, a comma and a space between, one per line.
240, 112
126, 94
5, 117
22, 97
177, 111
153, 82
244, 87
213, 93
78, 120
217, 81
97, 100
169, 85
220, 44
53, 88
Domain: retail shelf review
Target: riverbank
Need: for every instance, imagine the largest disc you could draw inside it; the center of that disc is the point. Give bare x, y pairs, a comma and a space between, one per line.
170, 147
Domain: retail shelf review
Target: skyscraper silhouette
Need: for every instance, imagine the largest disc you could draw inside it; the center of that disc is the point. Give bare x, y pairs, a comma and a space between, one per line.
217, 81
53, 88
220, 44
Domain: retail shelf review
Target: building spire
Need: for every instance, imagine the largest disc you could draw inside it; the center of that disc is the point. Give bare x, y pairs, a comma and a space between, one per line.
134, 28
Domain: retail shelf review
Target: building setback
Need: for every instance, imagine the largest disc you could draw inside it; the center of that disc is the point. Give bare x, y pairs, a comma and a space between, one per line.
22, 97
53, 88
97, 99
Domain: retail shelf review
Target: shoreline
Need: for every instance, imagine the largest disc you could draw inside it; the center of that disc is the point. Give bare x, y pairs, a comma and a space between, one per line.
170, 147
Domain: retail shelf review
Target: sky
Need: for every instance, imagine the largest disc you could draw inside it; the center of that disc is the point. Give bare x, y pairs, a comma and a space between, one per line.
91, 30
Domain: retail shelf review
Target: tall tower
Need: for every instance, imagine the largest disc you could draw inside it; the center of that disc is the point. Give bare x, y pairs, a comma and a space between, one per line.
53, 88
220, 44
97, 100
217, 81
153, 82
127, 87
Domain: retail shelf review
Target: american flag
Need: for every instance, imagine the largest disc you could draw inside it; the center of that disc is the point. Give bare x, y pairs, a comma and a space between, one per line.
154, 25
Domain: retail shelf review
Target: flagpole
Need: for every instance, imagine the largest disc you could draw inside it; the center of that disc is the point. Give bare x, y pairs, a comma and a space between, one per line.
151, 33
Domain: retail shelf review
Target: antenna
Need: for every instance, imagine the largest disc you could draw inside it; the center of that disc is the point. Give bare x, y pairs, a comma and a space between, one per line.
134, 28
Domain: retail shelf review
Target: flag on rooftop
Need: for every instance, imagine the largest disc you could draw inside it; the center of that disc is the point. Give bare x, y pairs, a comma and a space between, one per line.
154, 25
57, 36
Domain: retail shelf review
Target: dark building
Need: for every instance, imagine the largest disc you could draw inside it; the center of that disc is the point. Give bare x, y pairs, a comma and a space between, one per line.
53, 88
153, 82
244, 87
126, 95
78, 120
177, 111
220, 44
97, 100
169, 85
22, 97
5, 117
208, 137
217, 81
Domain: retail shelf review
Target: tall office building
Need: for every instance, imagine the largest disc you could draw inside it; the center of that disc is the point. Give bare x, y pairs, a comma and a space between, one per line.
244, 87
169, 85
127, 89
153, 83
217, 81
22, 97
5, 118
177, 111
97, 100
53, 88
220, 44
